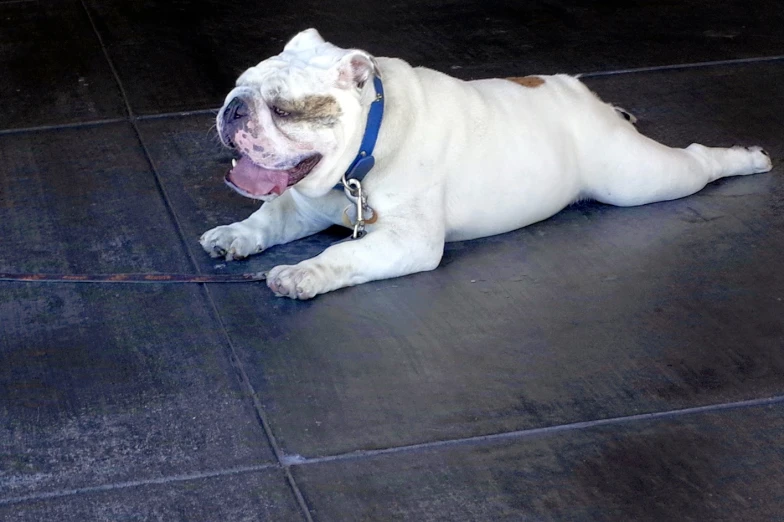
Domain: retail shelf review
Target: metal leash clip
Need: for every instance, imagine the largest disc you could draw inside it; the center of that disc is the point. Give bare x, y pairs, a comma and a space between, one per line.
353, 190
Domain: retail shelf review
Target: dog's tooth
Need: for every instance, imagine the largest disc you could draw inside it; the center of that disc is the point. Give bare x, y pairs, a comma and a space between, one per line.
233, 162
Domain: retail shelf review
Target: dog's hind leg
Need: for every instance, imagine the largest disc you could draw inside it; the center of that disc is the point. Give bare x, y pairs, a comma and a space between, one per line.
630, 169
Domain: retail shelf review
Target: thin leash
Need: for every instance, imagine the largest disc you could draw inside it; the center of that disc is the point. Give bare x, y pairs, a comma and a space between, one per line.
135, 278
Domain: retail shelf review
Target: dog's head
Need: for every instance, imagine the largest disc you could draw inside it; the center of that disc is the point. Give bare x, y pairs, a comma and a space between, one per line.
292, 116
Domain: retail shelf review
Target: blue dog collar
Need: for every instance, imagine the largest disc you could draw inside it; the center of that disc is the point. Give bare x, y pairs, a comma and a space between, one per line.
364, 160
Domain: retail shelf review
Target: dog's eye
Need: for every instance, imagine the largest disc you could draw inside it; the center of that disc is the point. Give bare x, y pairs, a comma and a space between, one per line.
279, 112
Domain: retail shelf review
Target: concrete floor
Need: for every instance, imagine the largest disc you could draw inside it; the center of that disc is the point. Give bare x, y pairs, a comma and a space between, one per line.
607, 364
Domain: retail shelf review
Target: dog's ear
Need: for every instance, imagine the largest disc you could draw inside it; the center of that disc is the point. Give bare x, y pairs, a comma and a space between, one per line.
355, 69
307, 39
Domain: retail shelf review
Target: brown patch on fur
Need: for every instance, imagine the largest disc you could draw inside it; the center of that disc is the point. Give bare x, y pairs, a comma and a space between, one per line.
527, 81
315, 108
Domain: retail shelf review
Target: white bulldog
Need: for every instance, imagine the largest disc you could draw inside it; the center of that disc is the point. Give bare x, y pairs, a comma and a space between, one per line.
454, 160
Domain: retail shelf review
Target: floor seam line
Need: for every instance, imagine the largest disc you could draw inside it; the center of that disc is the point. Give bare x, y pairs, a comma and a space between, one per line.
108, 59
177, 114
195, 112
777, 399
532, 432
145, 151
167, 202
59, 126
671, 67
171, 479
106, 121
259, 409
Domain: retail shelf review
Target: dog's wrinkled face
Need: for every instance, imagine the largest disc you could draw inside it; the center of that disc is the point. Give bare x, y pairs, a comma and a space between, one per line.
291, 116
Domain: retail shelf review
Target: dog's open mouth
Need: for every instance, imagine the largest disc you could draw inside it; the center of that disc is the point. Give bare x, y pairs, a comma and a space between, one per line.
256, 182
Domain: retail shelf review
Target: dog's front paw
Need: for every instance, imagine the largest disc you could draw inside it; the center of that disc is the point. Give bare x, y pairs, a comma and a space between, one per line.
296, 282
235, 241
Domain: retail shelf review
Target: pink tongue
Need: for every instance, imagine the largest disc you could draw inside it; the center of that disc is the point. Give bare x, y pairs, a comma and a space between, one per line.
257, 180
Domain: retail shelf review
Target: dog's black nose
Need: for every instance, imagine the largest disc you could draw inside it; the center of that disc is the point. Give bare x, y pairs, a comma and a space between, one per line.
235, 116
237, 109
